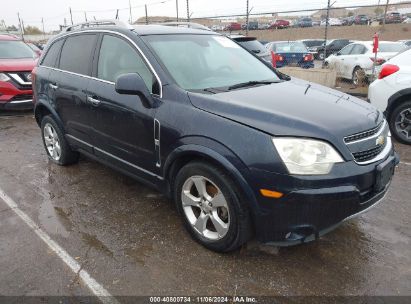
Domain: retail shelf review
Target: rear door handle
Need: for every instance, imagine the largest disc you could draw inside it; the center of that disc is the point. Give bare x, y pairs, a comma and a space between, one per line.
53, 86
93, 101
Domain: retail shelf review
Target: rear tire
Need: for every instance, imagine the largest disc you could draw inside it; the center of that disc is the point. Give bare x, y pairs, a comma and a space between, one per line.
358, 76
211, 207
400, 123
55, 144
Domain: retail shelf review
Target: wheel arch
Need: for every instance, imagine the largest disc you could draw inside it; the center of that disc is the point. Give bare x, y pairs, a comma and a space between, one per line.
192, 152
396, 99
42, 109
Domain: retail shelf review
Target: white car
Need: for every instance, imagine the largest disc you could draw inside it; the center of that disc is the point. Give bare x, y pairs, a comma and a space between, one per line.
408, 20
355, 61
332, 22
391, 93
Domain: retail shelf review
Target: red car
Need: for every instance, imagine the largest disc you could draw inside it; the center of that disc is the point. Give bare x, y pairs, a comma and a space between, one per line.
280, 24
233, 26
17, 60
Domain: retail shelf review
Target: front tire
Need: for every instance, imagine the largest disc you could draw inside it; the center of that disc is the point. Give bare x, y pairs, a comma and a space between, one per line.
211, 206
55, 144
400, 123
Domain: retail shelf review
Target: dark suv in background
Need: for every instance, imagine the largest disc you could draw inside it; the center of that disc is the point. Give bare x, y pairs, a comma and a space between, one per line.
332, 47
242, 149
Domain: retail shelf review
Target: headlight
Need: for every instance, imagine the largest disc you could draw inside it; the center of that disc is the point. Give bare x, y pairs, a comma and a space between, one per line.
306, 156
4, 77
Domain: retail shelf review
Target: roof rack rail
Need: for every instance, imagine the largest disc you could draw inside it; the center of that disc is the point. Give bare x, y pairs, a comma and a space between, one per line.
95, 23
192, 25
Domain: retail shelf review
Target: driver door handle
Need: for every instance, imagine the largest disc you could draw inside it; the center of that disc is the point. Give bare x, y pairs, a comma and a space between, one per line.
93, 101
53, 86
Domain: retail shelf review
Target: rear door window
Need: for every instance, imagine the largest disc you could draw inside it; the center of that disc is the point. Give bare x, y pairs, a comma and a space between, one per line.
358, 49
77, 54
50, 60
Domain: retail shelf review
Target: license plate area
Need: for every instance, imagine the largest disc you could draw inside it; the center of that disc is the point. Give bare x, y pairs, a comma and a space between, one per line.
383, 174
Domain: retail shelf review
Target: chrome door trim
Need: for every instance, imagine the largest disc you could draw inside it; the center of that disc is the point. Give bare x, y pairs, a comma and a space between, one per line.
118, 34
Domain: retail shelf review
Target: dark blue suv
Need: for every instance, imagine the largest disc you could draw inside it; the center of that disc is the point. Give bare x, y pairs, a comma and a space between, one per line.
242, 149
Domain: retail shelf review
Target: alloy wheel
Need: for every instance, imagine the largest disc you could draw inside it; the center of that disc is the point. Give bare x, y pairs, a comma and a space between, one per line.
403, 123
52, 141
205, 207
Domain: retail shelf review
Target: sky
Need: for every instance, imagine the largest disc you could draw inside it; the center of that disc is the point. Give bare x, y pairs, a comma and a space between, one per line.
53, 12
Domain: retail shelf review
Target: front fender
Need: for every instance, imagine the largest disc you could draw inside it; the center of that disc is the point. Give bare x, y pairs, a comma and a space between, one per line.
225, 162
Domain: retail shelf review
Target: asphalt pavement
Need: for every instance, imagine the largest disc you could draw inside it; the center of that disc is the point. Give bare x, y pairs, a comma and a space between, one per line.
86, 229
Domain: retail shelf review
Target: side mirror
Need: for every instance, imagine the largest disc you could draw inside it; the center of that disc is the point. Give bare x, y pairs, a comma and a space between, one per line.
133, 84
338, 54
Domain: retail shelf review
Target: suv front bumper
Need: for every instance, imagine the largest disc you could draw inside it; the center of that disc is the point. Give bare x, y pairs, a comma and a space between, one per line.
12, 98
312, 207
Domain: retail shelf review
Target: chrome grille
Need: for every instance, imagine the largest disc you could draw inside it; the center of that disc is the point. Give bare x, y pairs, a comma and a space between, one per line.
362, 135
371, 145
367, 155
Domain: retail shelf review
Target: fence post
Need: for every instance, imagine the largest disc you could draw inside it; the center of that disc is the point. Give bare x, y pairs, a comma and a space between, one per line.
246, 20
188, 11
145, 7
177, 9
326, 32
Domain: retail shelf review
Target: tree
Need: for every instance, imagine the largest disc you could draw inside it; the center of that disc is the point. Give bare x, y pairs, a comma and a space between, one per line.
12, 28
350, 14
32, 30
378, 11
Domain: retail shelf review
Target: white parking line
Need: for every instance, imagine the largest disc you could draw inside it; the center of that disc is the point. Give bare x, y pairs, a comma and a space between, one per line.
404, 163
97, 289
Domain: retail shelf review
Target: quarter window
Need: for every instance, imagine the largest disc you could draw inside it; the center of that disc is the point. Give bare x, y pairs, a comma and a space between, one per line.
50, 60
77, 54
118, 57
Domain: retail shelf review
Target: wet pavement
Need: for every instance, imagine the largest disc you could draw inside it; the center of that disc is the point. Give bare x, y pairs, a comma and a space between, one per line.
130, 239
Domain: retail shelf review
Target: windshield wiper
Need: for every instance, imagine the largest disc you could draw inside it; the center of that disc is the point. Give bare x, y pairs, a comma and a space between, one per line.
251, 83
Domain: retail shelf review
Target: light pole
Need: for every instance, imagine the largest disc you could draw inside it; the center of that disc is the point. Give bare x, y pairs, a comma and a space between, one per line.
188, 11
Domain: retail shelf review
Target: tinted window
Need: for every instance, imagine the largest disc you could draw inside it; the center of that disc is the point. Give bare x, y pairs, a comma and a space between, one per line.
254, 46
117, 57
15, 50
291, 47
50, 59
77, 53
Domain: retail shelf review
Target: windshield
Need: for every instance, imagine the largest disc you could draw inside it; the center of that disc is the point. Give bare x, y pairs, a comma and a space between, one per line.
290, 47
254, 46
15, 50
391, 47
198, 62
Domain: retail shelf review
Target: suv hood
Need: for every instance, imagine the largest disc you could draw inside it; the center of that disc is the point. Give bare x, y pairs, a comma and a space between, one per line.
293, 108
16, 65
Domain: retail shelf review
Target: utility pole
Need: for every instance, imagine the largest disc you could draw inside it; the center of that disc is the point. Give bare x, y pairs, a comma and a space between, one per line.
246, 20
326, 32
116, 14
145, 6
131, 17
177, 9
21, 27
71, 16
385, 12
44, 33
188, 11
85, 16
